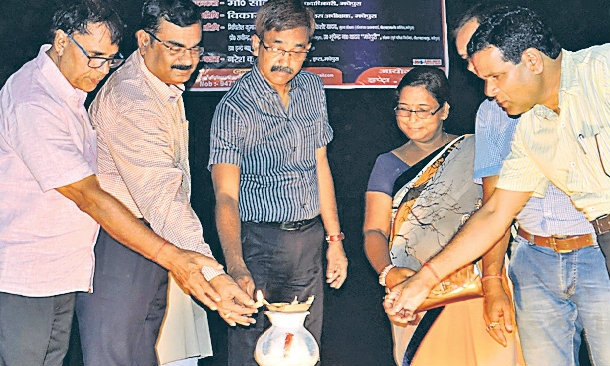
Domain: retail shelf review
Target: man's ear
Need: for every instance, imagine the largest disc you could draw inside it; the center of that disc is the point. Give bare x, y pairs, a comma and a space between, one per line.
256, 42
143, 40
60, 42
532, 59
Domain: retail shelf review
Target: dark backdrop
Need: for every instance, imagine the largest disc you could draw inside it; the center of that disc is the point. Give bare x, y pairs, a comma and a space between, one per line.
356, 331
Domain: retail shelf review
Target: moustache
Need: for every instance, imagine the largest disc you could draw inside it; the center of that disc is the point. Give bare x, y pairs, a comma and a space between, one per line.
281, 68
182, 67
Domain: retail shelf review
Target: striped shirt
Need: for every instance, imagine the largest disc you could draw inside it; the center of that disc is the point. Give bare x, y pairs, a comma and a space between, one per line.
552, 215
273, 146
143, 153
563, 148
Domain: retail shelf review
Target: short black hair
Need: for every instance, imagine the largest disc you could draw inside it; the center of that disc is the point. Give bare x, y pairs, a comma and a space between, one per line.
513, 29
431, 78
75, 16
279, 15
477, 12
182, 13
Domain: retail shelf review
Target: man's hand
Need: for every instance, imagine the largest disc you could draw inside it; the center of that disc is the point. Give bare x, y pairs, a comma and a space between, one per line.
497, 311
185, 266
405, 298
235, 307
397, 275
244, 279
336, 270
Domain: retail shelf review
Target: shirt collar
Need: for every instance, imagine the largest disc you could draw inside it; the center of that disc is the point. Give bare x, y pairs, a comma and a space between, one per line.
259, 80
57, 80
169, 93
568, 83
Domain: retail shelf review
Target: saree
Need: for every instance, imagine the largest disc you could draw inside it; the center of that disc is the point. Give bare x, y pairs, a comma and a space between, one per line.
430, 202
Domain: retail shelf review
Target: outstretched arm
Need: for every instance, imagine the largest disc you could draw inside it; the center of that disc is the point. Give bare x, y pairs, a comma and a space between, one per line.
184, 265
479, 234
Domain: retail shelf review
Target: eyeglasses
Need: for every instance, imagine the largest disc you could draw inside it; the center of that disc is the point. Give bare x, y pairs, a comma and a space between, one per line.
421, 114
95, 62
297, 55
175, 50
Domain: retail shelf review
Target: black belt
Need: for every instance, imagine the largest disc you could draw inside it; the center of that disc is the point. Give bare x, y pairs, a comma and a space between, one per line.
290, 225
601, 224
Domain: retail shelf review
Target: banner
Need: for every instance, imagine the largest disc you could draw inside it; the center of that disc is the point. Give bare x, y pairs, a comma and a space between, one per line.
357, 44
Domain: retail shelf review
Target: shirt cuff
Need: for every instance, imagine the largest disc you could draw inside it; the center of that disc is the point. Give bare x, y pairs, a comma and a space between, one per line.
209, 272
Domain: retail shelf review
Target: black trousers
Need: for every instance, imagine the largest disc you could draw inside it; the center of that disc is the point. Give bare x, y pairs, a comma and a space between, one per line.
284, 264
604, 244
35, 330
120, 321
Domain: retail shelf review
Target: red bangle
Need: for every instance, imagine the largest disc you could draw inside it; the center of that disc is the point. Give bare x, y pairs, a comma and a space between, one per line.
429, 266
489, 277
338, 237
154, 258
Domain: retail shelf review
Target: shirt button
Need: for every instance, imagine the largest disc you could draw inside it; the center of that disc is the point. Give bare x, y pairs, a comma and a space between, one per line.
562, 124
572, 164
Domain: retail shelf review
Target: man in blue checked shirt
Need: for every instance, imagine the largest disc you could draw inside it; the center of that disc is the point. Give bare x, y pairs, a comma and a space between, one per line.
274, 191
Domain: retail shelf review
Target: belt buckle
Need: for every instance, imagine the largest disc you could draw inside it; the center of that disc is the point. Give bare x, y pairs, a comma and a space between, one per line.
290, 225
602, 224
553, 239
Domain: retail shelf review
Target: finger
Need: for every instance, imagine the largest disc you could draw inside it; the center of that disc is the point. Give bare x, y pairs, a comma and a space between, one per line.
227, 318
338, 282
509, 319
498, 335
247, 285
205, 293
237, 308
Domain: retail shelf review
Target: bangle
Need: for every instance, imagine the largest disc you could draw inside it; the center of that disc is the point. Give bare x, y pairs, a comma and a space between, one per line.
154, 258
429, 266
383, 274
489, 277
338, 237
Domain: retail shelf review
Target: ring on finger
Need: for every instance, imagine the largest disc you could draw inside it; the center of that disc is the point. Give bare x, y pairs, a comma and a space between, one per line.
492, 325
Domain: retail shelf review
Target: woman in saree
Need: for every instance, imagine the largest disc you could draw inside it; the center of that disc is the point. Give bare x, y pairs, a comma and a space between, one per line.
418, 195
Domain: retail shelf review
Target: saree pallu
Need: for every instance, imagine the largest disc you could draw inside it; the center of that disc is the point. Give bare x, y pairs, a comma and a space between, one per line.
431, 201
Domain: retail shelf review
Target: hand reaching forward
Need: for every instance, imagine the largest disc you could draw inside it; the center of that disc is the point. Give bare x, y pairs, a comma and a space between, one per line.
185, 266
236, 306
402, 301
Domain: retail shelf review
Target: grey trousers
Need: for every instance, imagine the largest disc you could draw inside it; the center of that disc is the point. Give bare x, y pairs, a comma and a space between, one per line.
35, 330
120, 321
284, 264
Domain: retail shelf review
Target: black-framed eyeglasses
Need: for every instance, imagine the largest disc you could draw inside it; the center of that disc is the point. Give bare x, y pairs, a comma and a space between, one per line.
421, 114
278, 52
175, 50
95, 62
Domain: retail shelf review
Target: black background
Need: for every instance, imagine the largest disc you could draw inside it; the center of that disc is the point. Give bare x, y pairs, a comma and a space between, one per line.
356, 331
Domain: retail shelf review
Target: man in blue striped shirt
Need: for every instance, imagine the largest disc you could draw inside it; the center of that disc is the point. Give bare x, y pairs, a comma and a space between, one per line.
274, 190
